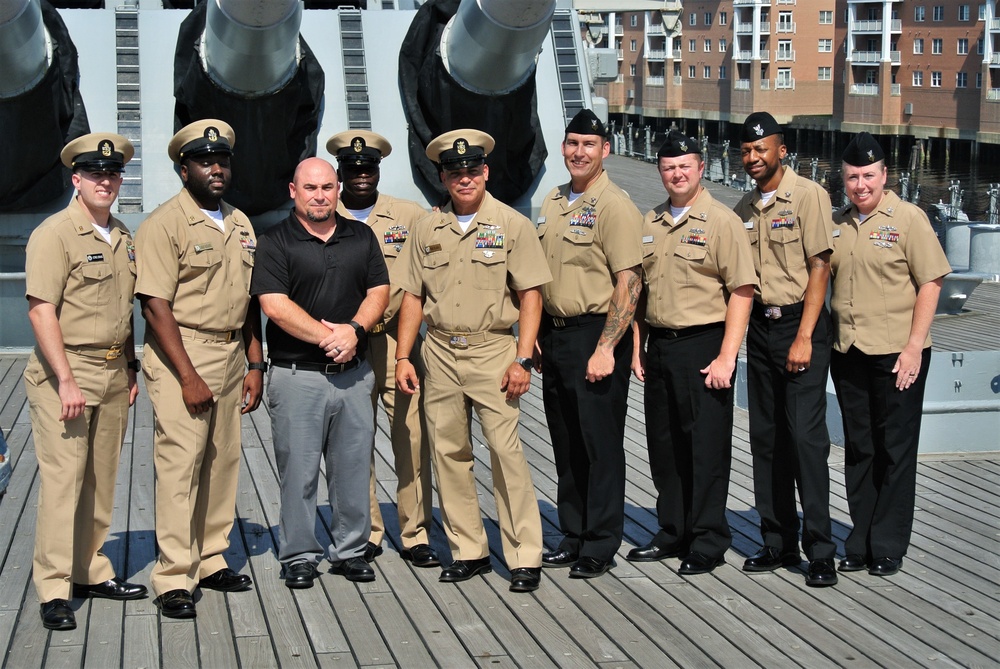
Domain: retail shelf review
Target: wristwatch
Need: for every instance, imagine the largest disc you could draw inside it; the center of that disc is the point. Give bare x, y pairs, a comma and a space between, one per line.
524, 362
262, 366
134, 365
359, 331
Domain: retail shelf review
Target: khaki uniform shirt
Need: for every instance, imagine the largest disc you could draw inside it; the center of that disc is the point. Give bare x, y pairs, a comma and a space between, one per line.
203, 272
391, 220
466, 278
691, 265
878, 265
794, 226
70, 265
585, 243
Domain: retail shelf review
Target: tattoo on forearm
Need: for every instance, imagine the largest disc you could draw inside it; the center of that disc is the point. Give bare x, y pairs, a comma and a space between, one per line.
620, 315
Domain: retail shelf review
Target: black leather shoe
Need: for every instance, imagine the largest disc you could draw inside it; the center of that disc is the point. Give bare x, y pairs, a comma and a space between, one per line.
463, 570
821, 573
853, 563
226, 580
770, 558
653, 552
590, 567
559, 558
372, 551
354, 569
885, 566
176, 604
116, 588
699, 563
525, 579
420, 555
56, 615
299, 575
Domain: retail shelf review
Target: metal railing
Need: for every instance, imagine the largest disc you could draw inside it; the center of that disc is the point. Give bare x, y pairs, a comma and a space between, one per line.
741, 85
864, 89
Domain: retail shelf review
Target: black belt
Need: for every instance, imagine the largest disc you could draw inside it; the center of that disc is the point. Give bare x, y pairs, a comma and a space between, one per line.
326, 368
670, 333
772, 313
572, 321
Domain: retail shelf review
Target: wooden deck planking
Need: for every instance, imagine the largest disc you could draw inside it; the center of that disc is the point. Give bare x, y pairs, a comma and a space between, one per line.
940, 611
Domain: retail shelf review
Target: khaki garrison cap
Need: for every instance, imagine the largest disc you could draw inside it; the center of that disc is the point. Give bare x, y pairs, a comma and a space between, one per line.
209, 135
98, 152
460, 148
358, 147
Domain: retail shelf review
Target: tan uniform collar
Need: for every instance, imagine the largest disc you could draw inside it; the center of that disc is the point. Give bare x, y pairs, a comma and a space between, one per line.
194, 214
887, 207
85, 226
783, 193
485, 214
589, 196
698, 210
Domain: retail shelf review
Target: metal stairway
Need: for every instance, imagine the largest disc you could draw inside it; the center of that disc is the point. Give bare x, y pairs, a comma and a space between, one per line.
129, 115
564, 39
355, 71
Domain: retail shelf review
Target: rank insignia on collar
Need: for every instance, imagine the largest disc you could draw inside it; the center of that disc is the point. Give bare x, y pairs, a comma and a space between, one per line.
788, 193
889, 210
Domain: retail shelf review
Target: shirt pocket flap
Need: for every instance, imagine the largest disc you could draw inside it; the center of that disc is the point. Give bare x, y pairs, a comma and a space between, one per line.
205, 259
489, 256
96, 271
433, 260
785, 235
577, 234
691, 252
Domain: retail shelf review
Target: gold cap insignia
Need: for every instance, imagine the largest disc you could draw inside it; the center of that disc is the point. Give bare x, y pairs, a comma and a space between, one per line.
871, 155
683, 145
106, 148
358, 145
212, 134
593, 124
461, 146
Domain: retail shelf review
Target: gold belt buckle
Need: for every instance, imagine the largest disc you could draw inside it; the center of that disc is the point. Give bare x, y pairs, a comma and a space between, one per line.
459, 341
114, 352
378, 328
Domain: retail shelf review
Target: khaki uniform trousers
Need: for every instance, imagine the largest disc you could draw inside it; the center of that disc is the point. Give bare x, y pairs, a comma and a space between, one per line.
77, 466
410, 450
197, 459
457, 381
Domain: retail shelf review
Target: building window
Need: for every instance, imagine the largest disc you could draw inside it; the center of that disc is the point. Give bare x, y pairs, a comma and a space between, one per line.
938, 13
693, 19
918, 78
707, 72
918, 45
785, 24
784, 49
690, 71
692, 45
963, 12
724, 17
963, 46
784, 78
936, 45
635, 20
824, 74
708, 45
982, 12
825, 17
722, 44
980, 45
708, 18
631, 45
935, 80
979, 79
961, 80
919, 13
826, 46
631, 70
722, 72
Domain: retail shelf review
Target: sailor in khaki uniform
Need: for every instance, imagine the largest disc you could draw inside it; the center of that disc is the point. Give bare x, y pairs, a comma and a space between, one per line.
591, 233
887, 273
699, 282
195, 255
788, 221
80, 379
462, 268
358, 154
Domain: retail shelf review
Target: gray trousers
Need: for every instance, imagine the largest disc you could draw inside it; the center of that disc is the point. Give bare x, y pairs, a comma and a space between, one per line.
314, 415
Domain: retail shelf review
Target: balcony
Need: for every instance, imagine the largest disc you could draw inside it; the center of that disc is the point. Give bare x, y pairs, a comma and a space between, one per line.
873, 57
742, 28
785, 55
655, 81
765, 84
741, 85
621, 54
784, 27
619, 29
994, 25
655, 29
741, 56
678, 79
786, 2
993, 94
994, 59
656, 55
785, 84
864, 89
677, 54
896, 90
745, 3
875, 26
765, 27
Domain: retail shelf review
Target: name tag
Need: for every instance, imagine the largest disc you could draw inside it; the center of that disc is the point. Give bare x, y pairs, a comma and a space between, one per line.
647, 239
541, 219
95, 257
836, 233
432, 248
199, 248
748, 225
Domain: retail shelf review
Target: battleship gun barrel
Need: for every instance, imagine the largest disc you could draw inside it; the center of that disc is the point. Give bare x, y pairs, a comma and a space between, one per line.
251, 47
490, 46
24, 50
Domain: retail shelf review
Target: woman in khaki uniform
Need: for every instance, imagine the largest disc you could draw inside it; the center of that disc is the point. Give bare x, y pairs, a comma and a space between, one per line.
887, 269
80, 379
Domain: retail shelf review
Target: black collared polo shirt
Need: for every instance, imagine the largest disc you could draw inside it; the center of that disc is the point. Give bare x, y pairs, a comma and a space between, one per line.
329, 280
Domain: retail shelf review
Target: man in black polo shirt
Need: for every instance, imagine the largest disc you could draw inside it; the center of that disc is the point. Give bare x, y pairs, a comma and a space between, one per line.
322, 282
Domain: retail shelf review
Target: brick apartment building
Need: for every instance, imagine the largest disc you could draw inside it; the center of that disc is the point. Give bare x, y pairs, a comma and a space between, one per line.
919, 68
